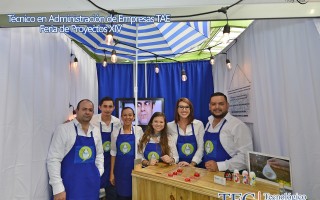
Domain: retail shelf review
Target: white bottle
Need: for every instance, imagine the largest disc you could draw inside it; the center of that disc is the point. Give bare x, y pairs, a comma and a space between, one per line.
245, 177
252, 178
236, 176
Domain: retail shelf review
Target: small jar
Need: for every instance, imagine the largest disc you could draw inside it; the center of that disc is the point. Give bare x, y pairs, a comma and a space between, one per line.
236, 176
245, 177
252, 178
228, 175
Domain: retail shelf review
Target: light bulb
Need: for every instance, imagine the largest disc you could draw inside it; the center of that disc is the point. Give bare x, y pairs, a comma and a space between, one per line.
109, 38
104, 64
184, 75
228, 64
212, 60
156, 69
226, 33
225, 38
75, 62
114, 56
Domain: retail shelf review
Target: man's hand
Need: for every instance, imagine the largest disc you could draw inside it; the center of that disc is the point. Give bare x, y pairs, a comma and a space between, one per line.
60, 196
212, 166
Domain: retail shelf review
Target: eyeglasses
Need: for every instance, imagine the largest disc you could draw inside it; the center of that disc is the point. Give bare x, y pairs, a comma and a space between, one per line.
184, 107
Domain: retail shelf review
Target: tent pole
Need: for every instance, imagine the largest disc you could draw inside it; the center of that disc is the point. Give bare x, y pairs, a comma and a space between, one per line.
145, 81
136, 89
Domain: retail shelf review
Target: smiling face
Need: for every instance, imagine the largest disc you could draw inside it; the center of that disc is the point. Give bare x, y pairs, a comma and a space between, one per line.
145, 110
183, 110
218, 107
127, 116
158, 124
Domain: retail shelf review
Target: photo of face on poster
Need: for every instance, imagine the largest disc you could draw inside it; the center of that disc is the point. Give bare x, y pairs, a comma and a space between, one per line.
145, 108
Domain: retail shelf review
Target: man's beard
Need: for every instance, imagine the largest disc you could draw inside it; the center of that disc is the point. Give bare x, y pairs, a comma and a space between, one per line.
221, 116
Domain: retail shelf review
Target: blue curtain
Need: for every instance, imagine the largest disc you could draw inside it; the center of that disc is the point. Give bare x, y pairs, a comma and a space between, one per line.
116, 81
197, 88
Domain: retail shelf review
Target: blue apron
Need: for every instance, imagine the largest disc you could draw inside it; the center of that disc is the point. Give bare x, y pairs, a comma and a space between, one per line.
186, 145
124, 163
106, 144
213, 149
152, 151
79, 173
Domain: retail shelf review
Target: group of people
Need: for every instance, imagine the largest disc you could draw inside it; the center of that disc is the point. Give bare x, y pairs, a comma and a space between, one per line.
98, 151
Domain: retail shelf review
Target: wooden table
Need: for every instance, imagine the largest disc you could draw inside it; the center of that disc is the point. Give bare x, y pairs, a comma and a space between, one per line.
153, 183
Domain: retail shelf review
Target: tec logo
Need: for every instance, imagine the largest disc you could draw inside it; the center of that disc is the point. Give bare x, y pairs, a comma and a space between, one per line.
106, 146
85, 153
187, 149
208, 146
153, 155
238, 196
125, 147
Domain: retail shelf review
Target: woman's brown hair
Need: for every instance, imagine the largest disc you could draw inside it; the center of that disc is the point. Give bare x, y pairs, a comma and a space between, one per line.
164, 142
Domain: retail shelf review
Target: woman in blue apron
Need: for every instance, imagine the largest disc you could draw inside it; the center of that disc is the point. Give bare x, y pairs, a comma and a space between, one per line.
123, 154
154, 145
78, 170
187, 133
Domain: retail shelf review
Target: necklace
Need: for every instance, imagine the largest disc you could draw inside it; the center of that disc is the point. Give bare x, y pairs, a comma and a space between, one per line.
155, 134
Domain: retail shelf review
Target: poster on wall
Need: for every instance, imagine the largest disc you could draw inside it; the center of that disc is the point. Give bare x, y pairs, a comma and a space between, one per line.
240, 103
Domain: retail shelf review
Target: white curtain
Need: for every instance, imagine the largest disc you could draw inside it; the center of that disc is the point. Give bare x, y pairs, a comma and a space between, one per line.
281, 59
36, 86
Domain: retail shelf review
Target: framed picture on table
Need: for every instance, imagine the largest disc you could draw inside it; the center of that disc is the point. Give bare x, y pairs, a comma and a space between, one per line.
270, 168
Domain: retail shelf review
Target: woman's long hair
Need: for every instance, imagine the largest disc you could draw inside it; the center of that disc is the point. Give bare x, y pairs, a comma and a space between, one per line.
164, 142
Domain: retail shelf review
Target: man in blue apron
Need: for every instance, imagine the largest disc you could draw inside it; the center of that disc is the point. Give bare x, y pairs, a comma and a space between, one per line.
75, 158
106, 123
227, 139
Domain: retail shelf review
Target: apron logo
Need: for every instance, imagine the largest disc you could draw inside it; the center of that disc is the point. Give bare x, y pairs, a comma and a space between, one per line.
153, 155
106, 146
208, 146
125, 147
85, 153
187, 149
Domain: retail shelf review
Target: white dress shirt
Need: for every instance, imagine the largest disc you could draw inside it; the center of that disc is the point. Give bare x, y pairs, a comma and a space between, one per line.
96, 119
236, 139
63, 140
173, 149
138, 132
198, 131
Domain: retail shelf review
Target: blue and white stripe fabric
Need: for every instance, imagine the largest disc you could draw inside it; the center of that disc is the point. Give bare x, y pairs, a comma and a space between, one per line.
163, 39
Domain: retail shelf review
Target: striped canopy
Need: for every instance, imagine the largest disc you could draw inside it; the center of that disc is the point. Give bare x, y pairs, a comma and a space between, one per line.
163, 39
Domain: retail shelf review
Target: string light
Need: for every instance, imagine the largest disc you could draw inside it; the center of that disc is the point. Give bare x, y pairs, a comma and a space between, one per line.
183, 75
228, 64
109, 38
226, 33
74, 62
156, 67
105, 61
211, 57
114, 56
